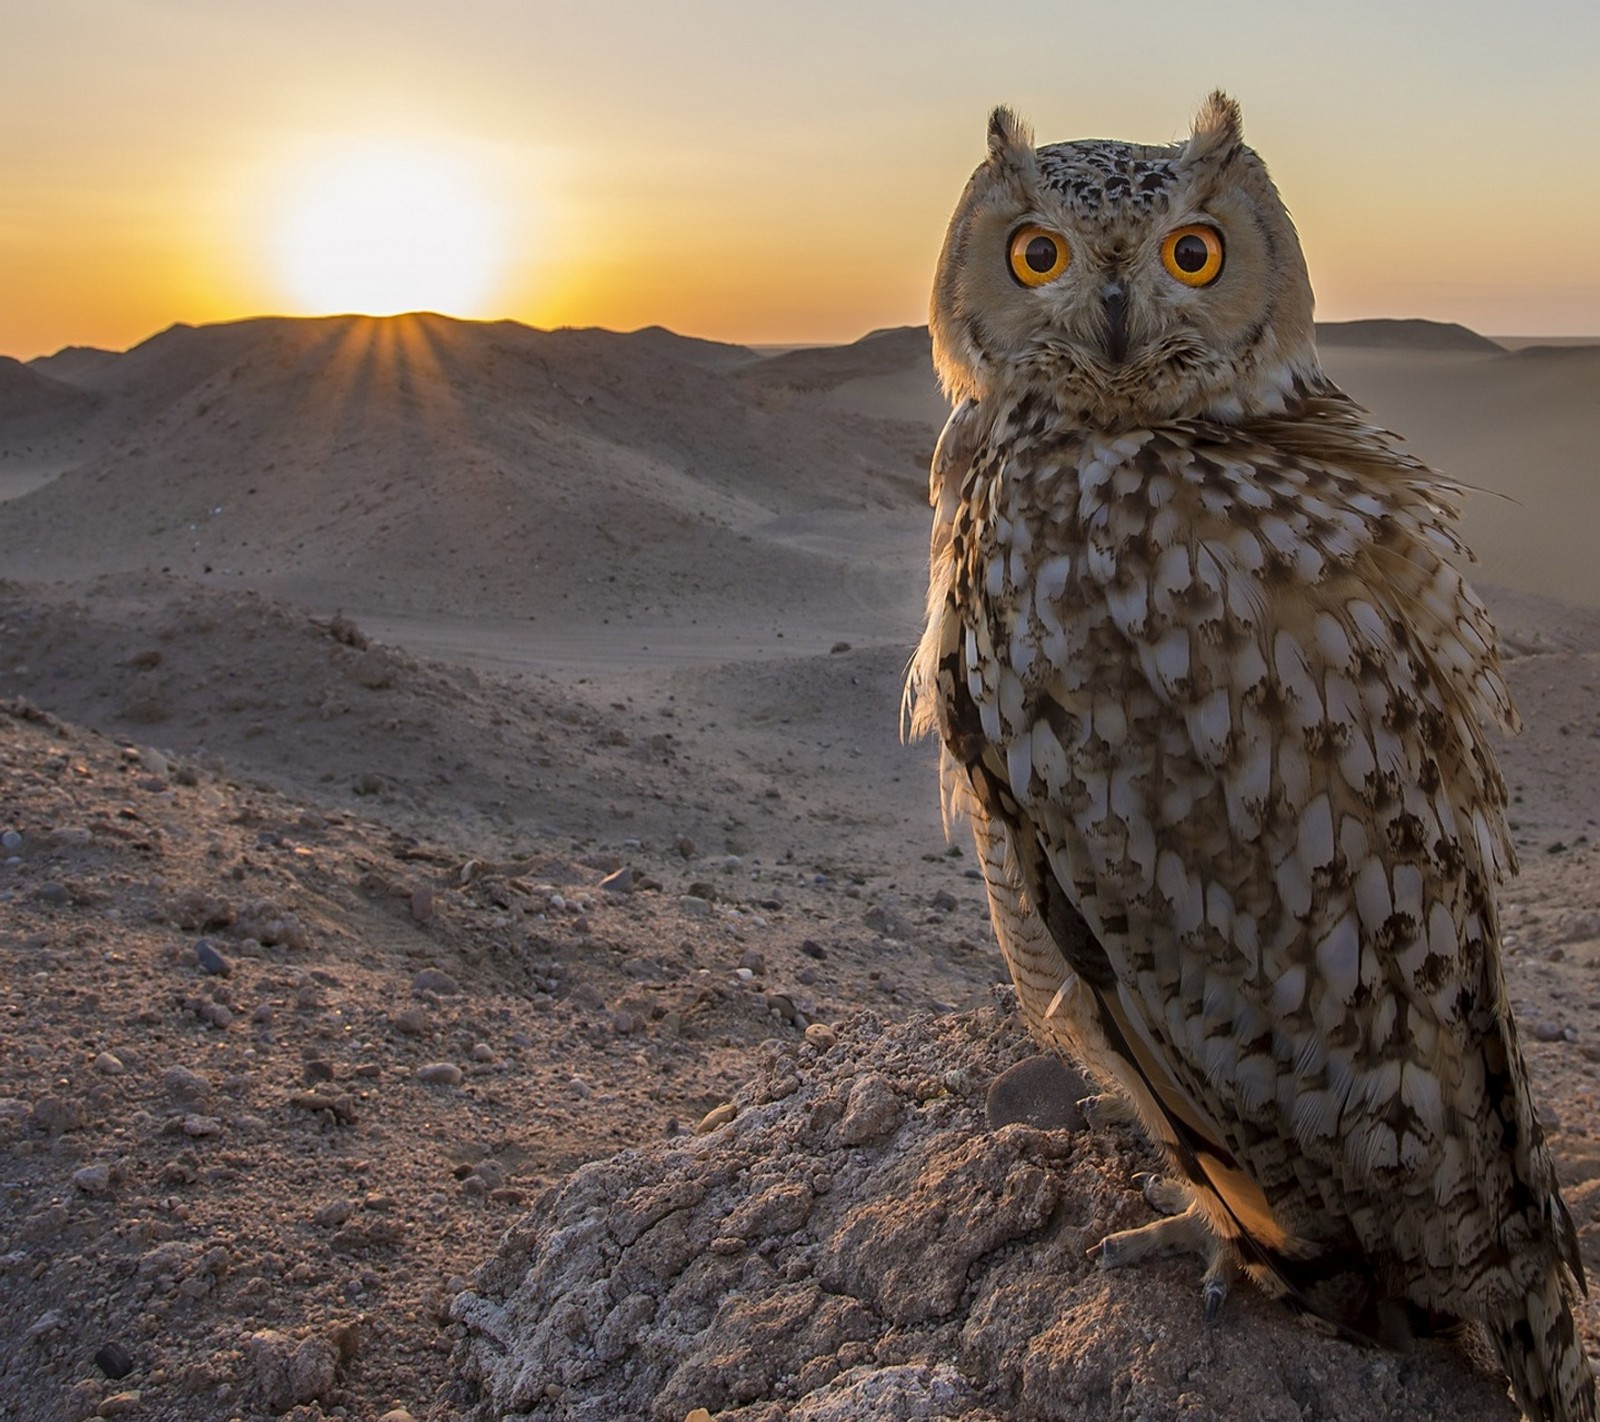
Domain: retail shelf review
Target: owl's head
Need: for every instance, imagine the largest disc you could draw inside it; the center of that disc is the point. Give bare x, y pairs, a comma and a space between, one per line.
1130, 283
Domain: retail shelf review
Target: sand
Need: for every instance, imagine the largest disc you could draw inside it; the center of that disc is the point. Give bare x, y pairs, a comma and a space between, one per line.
365, 651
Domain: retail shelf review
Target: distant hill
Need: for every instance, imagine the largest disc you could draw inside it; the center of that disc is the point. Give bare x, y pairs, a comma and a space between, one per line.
430, 464
1409, 335
25, 393
76, 365
824, 367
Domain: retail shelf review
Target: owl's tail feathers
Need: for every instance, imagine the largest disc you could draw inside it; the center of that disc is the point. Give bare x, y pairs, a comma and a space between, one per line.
1542, 1354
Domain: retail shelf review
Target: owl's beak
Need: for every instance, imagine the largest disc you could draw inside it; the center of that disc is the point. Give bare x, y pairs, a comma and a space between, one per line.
1116, 303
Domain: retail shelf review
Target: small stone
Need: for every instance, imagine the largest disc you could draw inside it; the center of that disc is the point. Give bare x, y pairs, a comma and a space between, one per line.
10, 840
397, 1414
185, 1085
109, 1064
422, 904
622, 1023
1041, 1091
333, 1214
411, 1022
114, 1361
700, 1414
813, 949
93, 1179
435, 980
317, 1070
210, 960
482, 1052
287, 1373
118, 1403
716, 1117
619, 882
55, 1114
1549, 1032
945, 901
200, 1127
821, 1036
440, 1074
50, 892
694, 906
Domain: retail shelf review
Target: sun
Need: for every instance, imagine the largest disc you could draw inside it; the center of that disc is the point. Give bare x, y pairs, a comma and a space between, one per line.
381, 228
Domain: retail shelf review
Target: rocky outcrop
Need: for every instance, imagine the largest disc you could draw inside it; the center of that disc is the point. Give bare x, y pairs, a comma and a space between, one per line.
860, 1242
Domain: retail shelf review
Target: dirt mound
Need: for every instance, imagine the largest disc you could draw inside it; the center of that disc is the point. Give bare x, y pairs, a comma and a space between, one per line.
857, 1241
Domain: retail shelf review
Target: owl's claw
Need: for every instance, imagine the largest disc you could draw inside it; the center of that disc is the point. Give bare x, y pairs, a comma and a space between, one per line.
1105, 1110
1182, 1229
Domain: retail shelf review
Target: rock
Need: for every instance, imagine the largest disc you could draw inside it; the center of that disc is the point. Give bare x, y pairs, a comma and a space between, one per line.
932, 1269
716, 1117
440, 1074
93, 1179
821, 1036
694, 906
287, 1373
109, 1064
10, 840
422, 904
410, 1022
56, 1114
115, 1361
619, 882
118, 1403
435, 980
1042, 1091
185, 1085
210, 960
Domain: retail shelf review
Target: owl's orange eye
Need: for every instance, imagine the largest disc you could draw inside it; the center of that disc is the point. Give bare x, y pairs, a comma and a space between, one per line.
1193, 255
1037, 255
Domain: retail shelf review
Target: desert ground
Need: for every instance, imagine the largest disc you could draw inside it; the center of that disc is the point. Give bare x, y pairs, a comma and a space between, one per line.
450, 785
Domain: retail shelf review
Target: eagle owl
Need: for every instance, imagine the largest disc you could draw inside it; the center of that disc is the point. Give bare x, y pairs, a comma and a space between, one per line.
1214, 697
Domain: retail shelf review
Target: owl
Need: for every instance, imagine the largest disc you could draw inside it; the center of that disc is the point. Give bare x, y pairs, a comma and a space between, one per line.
1215, 697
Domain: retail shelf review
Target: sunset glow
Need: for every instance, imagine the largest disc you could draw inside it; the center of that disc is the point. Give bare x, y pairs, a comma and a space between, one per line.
379, 230
752, 173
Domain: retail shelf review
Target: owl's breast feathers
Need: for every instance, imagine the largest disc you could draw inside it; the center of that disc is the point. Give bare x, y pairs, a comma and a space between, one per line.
1216, 699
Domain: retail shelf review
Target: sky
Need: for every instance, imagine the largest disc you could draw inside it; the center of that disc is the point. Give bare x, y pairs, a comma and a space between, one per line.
753, 172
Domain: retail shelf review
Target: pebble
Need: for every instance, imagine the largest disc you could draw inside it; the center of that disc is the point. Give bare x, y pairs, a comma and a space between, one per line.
422, 904
185, 1085
482, 1052
411, 1022
435, 980
114, 1360
717, 1116
93, 1179
210, 960
51, 892
813, 949
1552, 1032
118, 1403
620, 882
10, 840
694, 906
201, 1126
397, 1414
1041, 1091
109, 1064
821, 1036
440, 1074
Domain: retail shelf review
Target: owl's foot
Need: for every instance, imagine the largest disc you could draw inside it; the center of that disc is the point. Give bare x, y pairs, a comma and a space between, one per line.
1107, 1109
1183, 1229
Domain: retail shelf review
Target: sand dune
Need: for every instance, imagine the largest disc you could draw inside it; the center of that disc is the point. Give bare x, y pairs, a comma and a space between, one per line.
425, 466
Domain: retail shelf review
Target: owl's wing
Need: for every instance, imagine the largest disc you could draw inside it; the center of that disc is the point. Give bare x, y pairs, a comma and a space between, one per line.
1241, 754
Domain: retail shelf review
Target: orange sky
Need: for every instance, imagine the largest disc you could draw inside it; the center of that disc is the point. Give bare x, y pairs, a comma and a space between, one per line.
761, 172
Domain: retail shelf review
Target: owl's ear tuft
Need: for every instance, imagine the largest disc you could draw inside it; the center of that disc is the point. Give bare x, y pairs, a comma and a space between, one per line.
1218, 130
1010, 140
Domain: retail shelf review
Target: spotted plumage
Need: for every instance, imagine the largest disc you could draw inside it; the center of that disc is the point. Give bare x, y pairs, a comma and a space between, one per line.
1214, 696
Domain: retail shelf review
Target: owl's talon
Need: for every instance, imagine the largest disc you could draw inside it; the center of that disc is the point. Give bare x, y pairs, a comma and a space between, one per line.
1106, 1109
1214, 1288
